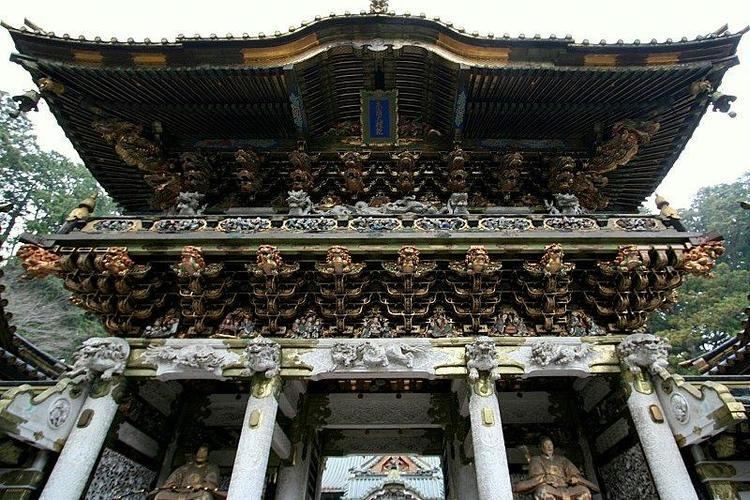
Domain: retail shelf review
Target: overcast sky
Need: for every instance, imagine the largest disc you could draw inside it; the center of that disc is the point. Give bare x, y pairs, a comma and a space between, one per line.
716, 153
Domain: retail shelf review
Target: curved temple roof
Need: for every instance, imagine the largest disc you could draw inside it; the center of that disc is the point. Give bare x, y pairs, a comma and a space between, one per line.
546, 96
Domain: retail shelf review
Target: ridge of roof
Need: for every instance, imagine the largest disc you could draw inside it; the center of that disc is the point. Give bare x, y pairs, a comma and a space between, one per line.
32, 29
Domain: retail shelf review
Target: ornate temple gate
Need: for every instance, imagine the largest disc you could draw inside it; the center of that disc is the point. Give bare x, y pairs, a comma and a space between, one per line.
405, 233
272, 409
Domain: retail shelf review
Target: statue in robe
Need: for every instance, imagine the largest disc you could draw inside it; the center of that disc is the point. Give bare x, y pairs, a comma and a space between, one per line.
554, 477
196, 480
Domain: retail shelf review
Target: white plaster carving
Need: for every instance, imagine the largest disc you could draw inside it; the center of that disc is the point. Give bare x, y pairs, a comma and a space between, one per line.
544, 353
193, 360
263, 356
59, 412
99, 357
372, 355
644, 350
481, 356
680, 408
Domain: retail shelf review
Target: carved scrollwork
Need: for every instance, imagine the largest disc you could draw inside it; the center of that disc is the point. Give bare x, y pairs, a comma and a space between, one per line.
474, 287
341, 294
441, 224
244, 225
407, 289
631, 286
275, 287
544, 290
204, 292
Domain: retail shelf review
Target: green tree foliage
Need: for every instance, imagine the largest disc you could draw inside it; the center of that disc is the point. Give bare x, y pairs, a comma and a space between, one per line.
41, 187
709, 311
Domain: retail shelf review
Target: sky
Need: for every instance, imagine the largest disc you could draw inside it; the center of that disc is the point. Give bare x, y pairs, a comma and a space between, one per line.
716, 153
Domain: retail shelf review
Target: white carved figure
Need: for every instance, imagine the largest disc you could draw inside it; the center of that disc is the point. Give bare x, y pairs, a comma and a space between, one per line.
564, 204
545, 353
263, 356
299, 203
458, 204
403, 353
481, 356
99, 357
199, 356
344, 354
644, 350
374, 355
189, 203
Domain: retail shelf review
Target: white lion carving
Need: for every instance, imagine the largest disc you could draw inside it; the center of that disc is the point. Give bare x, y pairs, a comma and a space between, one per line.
263, 356
99, 357
482, 357
644, 350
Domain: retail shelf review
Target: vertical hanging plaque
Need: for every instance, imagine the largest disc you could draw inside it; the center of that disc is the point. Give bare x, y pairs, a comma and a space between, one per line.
379, 116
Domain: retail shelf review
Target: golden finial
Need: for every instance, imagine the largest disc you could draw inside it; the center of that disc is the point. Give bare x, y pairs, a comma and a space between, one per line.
666, 211
84, 210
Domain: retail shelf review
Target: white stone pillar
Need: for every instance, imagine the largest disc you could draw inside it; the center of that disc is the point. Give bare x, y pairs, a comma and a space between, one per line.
667, 467
490, 458
292, 481
251, 461
640, 354
81, 451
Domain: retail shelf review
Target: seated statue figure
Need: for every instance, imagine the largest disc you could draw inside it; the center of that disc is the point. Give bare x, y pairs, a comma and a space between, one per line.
554, 477
196, 480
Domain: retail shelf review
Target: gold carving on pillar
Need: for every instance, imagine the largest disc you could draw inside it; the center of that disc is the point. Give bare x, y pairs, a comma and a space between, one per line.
700, 260
112, 285
544, 292
621, 289
474, 287
137, 294
39, 262
554, 477
408, 288
203, 291
341, 293
274, 287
